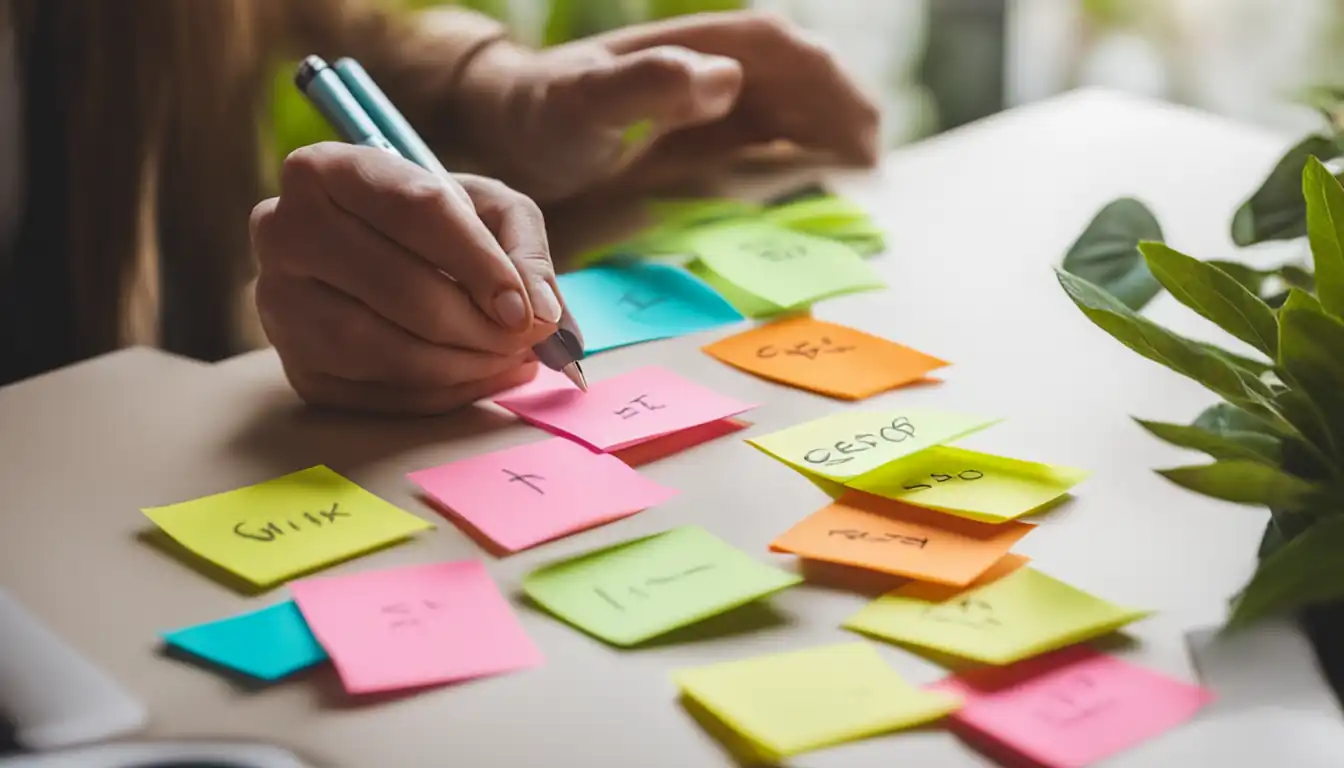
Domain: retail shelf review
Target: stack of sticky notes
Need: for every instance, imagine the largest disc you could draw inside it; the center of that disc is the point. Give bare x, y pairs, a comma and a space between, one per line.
384, 630
787, 703
270, 532
824, 357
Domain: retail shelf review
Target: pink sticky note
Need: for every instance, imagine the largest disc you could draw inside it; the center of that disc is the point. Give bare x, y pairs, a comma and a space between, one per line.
523, 496
1070, 708
416, 626
621, 411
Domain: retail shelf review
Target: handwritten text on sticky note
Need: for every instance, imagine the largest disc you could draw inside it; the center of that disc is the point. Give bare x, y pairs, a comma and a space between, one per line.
888, 536
624, 410
824, 357
272, 531
528, 494
797, 701
404, 627
850, 443
621, 304
638, 590
1021, 615
1071, 708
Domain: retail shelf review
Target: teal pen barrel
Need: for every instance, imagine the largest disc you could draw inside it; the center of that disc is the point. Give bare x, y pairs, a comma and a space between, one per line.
329, 95
386, 116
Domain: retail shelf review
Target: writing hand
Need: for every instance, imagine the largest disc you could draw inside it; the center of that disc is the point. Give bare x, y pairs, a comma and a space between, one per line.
711, 84
385, 288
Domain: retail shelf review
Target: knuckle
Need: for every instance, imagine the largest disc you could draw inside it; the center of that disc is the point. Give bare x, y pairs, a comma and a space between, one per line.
768, 24
304, 167
259, 221
424, 196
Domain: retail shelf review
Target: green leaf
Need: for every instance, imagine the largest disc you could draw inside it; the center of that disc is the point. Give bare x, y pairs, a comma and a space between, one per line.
1245, 481
1252, 278
1190, 359
1215, 295
1277, 211
1304, 571
1225, 417
1296, 298
1223, 446
1311, 357
1325, 231
1106, 253
1255, 367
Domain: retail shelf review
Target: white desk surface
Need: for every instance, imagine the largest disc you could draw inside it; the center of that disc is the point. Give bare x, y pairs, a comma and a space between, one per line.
975, 218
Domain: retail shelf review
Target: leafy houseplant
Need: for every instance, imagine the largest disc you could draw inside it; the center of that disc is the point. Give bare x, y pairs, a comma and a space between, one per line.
1277, 439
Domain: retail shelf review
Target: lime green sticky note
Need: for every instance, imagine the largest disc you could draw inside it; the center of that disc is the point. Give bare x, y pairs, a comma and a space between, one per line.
749, 304
970, 484
273, 531
793, 702
850, 443
640, 589
1024, 614
786, 268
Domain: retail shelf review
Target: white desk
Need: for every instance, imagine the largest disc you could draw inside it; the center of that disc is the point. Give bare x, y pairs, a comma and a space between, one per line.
976, 217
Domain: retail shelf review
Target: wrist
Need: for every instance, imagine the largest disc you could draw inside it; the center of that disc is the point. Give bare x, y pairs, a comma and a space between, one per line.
489, 97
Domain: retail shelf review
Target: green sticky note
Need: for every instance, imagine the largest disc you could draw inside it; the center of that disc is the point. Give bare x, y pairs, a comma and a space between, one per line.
647, 587
1021, 615
847, 444
970, 484
788, 269
748, 304
787, 703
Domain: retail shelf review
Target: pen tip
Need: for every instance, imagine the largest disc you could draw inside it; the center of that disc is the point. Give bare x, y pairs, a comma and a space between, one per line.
575, 374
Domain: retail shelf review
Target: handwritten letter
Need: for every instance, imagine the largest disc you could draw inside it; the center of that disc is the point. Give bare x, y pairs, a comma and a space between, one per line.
273, 531
1073, 707
1021, 615
638, 590
793, 702
824, 357
883, 535
523, 496
624, 410
414, 626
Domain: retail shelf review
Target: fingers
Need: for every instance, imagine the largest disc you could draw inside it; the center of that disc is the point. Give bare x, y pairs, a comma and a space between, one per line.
331, 392
519, 228
428, 216
320, 330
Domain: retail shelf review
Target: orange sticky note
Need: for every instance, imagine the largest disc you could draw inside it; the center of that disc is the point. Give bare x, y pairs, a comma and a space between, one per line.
941, 593
884, 535
824, 357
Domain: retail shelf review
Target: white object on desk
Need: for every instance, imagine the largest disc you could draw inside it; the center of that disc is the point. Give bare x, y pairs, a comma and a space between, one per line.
162, 754
54, 696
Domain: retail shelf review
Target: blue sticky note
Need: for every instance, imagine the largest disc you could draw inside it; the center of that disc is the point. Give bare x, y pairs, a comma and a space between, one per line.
267, 644
626, 303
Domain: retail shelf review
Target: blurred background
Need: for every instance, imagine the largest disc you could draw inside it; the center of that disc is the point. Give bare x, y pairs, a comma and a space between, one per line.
938, 64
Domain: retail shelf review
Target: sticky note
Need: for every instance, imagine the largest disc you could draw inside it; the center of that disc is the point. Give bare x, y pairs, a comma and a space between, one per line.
888, 536
621, 304
644, 588
847, 444
824, 357
786, 268
970, 484
798, 701
267, 644
272, 531
937, 593
749, 304
414, 626
1021, 615
624, 410
528, 494
1071, 708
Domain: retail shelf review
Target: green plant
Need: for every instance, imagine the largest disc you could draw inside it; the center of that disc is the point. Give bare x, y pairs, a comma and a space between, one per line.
1277, 439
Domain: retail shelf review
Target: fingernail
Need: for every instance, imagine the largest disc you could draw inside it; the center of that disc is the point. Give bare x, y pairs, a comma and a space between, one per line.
511, 310
545, 304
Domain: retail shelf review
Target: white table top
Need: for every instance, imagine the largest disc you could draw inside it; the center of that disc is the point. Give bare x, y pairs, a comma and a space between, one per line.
975, 218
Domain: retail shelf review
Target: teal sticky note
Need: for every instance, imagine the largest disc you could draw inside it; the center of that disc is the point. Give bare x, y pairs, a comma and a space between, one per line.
267, 644
626, 303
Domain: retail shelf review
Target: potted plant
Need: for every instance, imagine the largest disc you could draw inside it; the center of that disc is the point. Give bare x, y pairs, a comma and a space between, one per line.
1277, 437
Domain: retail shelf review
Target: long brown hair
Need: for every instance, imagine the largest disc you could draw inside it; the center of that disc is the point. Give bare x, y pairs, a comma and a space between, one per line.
142, 165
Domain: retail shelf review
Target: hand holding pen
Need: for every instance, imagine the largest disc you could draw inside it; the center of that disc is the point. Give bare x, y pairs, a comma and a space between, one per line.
394, 287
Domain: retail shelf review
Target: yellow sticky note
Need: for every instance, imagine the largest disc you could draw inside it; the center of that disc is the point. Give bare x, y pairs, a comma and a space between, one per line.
979, 486
847, 444
786, 268
787, 703
273, 531
1021, 615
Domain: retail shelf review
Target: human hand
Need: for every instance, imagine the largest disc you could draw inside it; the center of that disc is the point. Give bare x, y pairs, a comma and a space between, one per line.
553, 123
385, 288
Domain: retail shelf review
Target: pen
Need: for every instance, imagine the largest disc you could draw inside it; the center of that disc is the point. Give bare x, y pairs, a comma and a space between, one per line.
358, 109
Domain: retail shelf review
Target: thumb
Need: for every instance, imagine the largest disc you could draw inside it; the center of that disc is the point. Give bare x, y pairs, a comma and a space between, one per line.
671, 86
